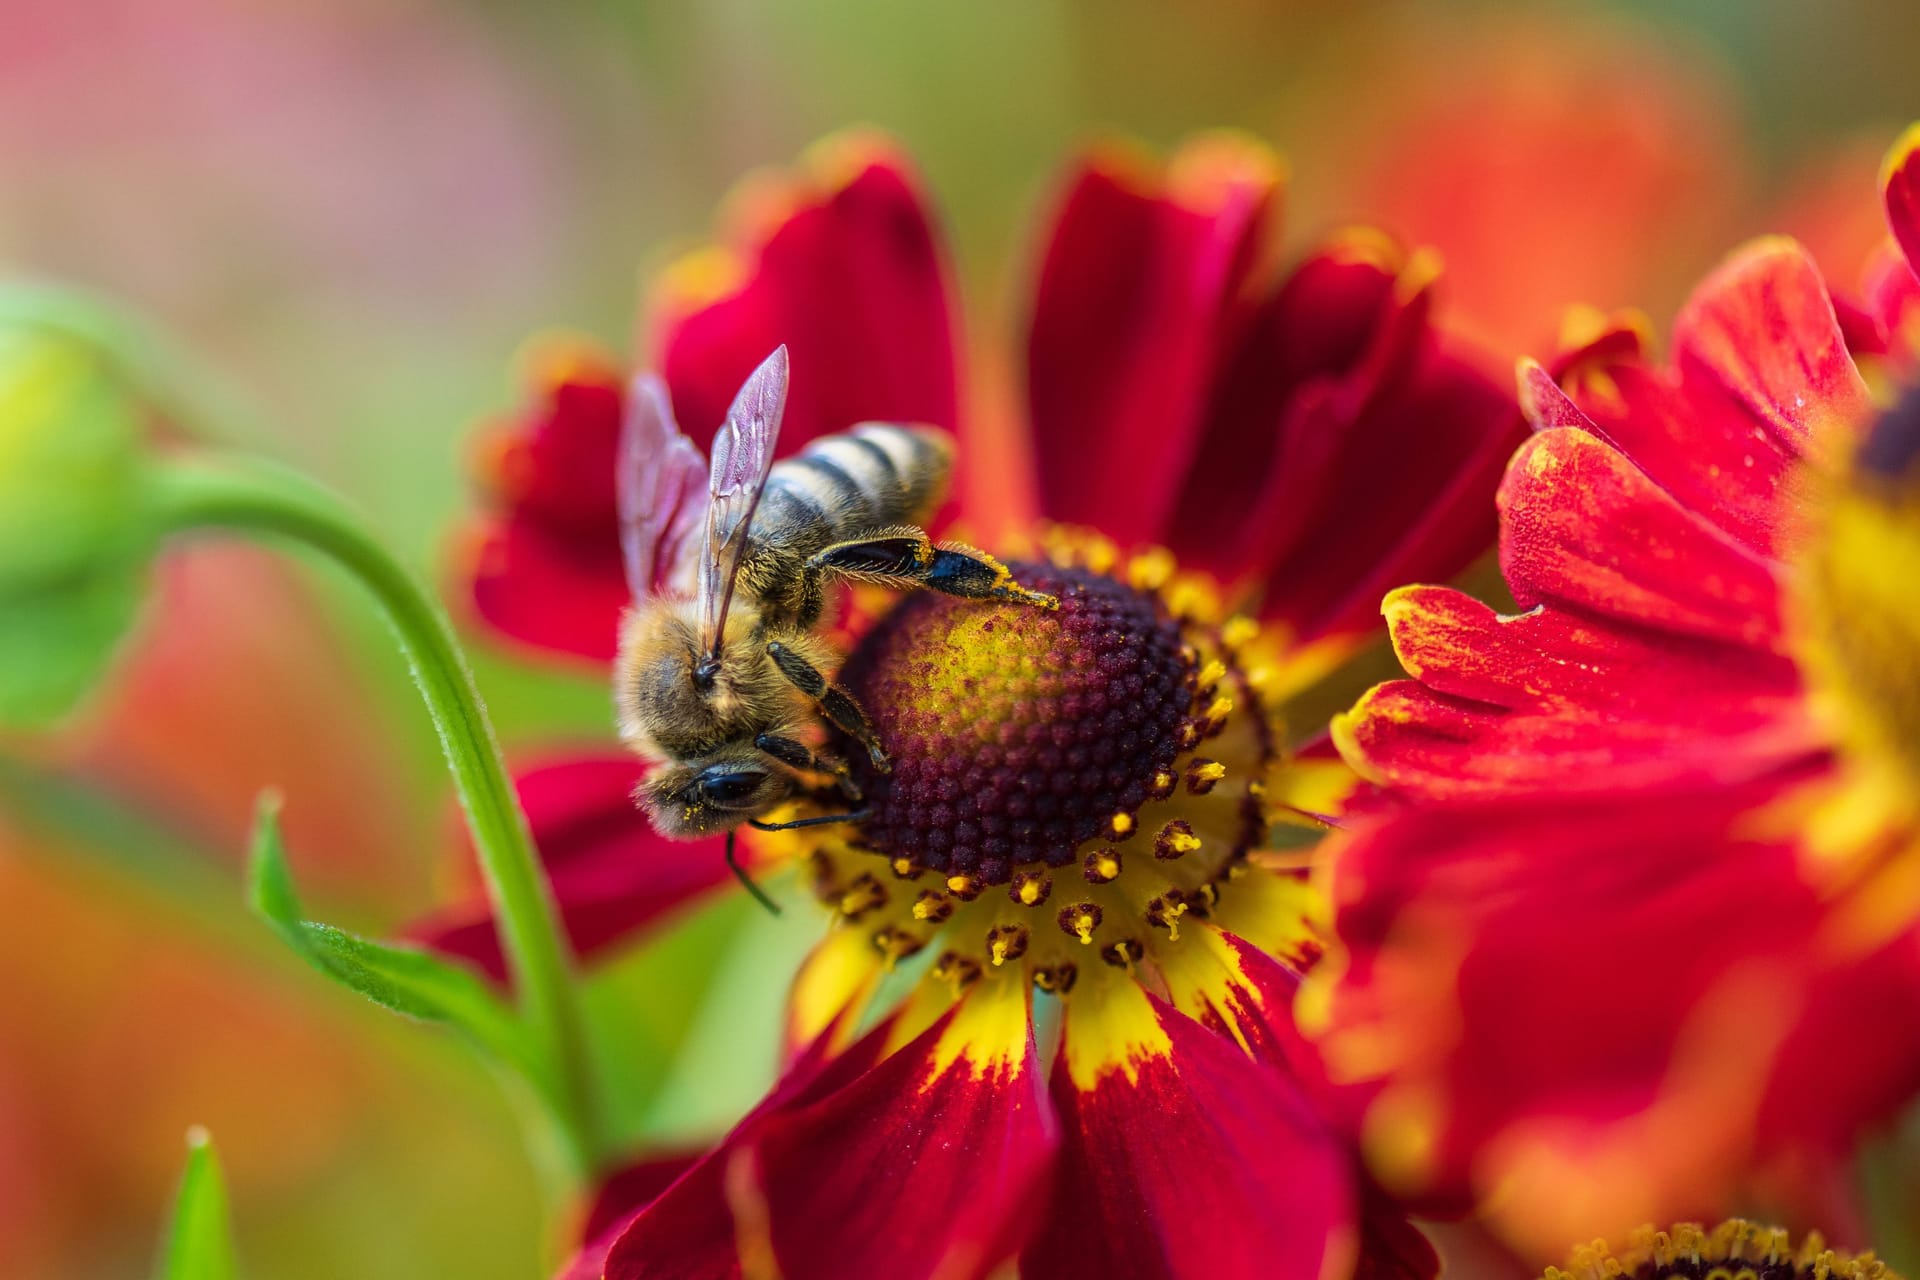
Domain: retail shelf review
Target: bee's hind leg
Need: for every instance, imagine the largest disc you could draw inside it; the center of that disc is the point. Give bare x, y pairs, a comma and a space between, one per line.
799, 755
835, 703
906, 557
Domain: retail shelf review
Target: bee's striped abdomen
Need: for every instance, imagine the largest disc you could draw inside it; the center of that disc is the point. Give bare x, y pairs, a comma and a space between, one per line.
842, 486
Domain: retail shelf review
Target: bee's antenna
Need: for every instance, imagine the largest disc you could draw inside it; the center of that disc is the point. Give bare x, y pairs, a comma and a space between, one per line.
740, 873
857, 815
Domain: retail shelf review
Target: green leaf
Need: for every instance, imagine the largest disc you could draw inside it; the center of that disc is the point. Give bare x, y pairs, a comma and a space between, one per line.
199, 1242
407, 980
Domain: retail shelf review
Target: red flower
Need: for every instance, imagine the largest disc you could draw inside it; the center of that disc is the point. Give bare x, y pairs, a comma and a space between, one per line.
1305, 440
1665, 869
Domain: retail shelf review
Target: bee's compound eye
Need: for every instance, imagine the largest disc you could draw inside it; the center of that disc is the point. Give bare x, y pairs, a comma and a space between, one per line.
730, 786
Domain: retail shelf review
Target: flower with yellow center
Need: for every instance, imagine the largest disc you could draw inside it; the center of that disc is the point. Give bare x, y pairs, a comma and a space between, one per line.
1049, 1017
1734, 1250
1666, 851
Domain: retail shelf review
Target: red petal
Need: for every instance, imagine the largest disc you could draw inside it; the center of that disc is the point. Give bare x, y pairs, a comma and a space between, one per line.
1537, 986
1141, 286
612, 874
1900, 188
1892, 290
1763, 327
544, 566
854, 1130
1692, 438
841, 262
623, 1194
560, 595
1502, 702
1330, 482
1584, 527
930, 1164
1196, 1162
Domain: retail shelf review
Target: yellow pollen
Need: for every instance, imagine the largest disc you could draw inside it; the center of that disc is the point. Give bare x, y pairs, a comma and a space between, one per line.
1164, 912
1212, 674
1031, 888
954, 968
862, 896
1099, 555
1238, 630
1058, 980
1120, 826
1219, 709
1080, 920
1102, 866
904, 868
963, 887
1151, 569
895, 944
1203, 774
1006, 942
932, 906
1123, 953
1162, 786
1175, 840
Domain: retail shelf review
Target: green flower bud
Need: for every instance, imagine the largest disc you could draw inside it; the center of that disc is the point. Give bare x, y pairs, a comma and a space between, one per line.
75, 533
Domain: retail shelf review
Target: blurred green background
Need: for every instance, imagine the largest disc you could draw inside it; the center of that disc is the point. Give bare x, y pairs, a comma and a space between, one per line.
358, 211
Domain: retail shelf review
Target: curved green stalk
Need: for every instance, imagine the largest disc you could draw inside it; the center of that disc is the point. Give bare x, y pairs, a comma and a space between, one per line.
196, 493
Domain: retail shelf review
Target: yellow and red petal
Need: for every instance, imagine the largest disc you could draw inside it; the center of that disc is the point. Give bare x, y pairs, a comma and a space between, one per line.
931, 1160
840, 260
1547, 1019
1763, 328
1900, 189
1501, 702
1183, 1157
1582, 527
933, 1163
612, 874
541, 563
1145, 277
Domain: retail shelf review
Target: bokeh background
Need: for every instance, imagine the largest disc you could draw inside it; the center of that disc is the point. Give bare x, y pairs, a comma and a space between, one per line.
358, 210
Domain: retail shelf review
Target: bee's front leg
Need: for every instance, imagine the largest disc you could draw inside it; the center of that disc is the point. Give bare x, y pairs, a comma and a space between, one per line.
835, 703
800, 756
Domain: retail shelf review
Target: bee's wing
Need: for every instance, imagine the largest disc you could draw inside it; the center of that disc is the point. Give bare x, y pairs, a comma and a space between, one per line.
742, 456
662, 504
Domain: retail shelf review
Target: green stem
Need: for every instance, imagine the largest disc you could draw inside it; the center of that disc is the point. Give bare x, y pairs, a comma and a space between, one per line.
224, 492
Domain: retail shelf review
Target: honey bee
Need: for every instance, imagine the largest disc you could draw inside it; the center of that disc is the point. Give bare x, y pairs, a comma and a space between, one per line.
720, 676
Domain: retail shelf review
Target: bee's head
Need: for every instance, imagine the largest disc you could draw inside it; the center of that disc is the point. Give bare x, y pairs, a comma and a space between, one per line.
686, 801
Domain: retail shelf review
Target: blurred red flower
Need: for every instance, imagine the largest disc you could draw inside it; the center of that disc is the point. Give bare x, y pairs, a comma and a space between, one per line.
1665, 866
